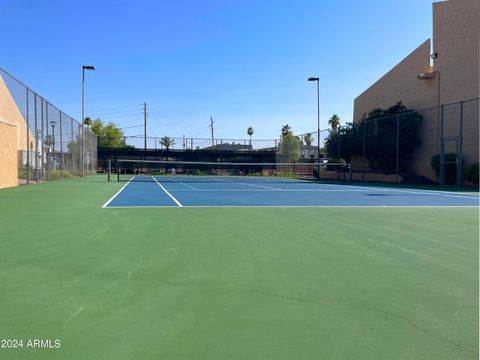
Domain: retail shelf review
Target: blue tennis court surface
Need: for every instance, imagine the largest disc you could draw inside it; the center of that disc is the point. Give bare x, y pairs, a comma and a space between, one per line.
177, 191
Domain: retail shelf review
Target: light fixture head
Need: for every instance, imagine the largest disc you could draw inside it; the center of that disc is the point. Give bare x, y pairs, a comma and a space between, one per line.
426, 76
434, 56
313, 79
88, 67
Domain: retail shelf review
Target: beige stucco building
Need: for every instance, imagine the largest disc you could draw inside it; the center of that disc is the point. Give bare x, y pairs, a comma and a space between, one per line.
13, 137
444, 70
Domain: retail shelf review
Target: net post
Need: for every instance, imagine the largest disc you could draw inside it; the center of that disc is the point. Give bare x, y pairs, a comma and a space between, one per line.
109, 169
118, 171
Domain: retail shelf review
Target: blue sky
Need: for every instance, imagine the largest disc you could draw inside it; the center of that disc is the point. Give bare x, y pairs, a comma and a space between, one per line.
243, 62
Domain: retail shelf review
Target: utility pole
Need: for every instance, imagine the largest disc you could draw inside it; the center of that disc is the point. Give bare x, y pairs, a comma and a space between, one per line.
145, 125
211, 129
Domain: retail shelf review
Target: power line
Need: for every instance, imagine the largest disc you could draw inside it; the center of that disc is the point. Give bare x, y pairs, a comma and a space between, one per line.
112, 117
113, 108
116, 112
130, 127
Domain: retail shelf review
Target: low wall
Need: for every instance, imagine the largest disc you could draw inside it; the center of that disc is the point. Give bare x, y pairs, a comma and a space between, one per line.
8, 154
359, 176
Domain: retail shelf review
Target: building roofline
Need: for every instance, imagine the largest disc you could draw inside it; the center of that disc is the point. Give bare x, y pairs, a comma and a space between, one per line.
394, 67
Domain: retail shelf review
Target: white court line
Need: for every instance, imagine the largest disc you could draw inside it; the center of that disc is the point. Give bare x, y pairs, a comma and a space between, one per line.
117, 193
294, 206
437, 194
269, 190
166, 192
357, 189
411, 191
191, 187
181, 183
260, 186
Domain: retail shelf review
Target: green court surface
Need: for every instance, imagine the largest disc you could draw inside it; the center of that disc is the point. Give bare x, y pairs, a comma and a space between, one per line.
234, 283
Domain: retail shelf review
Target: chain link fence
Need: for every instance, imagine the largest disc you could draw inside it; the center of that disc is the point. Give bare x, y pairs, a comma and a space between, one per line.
194, 143
48, 140
437, 145
434, 145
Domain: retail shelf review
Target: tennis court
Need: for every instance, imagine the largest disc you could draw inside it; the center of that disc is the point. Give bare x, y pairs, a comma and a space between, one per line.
238, 282
179, 191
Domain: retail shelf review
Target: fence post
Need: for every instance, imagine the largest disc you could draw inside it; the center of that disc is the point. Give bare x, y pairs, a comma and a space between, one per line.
48, 140
61, 147
442, 148
460, 150
339, 139
28, 142
72, 147
42, 151
36, 139
364, 152
398, 147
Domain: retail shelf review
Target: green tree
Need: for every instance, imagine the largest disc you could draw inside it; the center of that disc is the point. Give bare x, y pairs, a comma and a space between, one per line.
290, 146
167, 142
108, 134
286, 129
87, 121
334, 122
250, 133
308, 139
345, 142
48, 140
381, 137
380, 131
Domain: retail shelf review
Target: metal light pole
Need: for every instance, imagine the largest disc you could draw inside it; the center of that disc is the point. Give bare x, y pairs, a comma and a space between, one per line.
429, 76
318, 120
82, 150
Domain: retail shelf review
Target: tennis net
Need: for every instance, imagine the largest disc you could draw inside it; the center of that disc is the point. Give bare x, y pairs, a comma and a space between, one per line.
196, 171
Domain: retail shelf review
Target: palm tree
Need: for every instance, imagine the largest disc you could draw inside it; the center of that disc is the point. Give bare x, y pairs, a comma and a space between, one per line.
250, 133
48, 140
167, 142
286, 129
308, 139
334, 122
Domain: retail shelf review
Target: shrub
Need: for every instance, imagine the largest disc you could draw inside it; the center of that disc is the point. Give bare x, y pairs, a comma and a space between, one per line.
22, 172
471, 173
450, 167
57, 174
